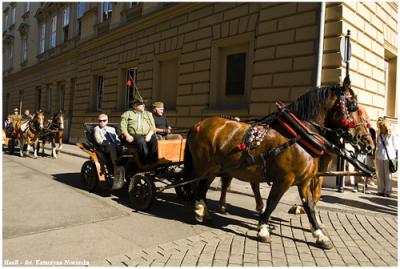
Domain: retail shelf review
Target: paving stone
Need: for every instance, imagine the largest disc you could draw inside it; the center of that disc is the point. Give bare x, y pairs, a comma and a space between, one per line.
236, 259
264, 263
220, 263
234, 265
307, 257
335, 262
249, 258
279, 262
309, 264
322, 262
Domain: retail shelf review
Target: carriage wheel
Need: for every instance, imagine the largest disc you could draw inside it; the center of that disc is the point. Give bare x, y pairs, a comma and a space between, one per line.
89, 176
184, 192
141, 191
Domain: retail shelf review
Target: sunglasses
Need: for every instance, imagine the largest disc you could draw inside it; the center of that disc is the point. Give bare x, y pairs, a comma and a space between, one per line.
102, 120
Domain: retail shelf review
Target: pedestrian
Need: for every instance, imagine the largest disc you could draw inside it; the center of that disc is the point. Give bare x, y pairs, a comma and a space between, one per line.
386, 150
138, 128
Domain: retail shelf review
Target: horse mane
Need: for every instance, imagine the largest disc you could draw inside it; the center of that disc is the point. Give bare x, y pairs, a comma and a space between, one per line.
229, 117
309, 105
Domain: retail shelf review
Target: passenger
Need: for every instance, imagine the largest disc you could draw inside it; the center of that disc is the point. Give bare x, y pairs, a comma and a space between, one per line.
163, 128
107, 137
137, 127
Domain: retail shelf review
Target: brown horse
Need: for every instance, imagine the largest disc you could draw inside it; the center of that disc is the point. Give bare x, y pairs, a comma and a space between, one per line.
29, 131
358, 136
212, 150
54, 132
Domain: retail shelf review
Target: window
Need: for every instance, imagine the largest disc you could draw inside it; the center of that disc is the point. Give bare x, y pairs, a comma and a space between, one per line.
53, 35
6, 106
27, 6
235, 74
131, 79
80, 11
21, 98
168, 82
106, 11
38, 98
65, 24
42, 37
390, 71
230, 78
10, 55
6, 21
132, 4
24, 48
99, 93
49, 99
61, 96
13, 10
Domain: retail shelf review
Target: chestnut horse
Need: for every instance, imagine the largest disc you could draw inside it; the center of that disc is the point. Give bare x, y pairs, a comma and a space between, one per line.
212, 150
28, 131
55, 131
358, 136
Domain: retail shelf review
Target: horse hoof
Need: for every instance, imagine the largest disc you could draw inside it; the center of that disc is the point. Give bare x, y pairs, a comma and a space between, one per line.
263, 234
264, 239
223, 210
324, 243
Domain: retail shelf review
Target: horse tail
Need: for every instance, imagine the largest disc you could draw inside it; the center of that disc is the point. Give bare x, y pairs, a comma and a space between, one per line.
188, 159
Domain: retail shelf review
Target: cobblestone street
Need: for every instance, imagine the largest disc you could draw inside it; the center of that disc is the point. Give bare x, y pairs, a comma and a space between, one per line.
359, 240
105, 231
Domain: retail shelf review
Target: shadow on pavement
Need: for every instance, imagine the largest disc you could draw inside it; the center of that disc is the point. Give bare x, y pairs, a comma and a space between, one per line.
169, 206
71, 179
377, 204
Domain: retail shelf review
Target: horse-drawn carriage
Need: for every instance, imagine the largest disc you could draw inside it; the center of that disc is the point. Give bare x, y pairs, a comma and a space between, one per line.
293, 146
143, 180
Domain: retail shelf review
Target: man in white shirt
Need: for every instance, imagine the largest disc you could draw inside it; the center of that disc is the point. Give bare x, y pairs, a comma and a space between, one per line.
107, 137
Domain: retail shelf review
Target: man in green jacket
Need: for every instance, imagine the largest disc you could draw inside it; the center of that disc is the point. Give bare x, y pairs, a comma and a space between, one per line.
137, 127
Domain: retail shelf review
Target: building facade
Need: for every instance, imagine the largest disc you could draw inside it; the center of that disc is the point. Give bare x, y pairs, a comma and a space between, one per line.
201, 59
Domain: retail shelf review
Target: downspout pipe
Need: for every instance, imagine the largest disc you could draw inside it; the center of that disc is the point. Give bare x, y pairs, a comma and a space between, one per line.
320, 51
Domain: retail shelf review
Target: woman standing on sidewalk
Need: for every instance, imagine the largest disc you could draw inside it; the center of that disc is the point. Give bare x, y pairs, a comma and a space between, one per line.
382, 161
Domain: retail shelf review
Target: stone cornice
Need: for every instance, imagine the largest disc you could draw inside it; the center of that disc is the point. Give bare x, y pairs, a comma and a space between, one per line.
140, 24
23, 28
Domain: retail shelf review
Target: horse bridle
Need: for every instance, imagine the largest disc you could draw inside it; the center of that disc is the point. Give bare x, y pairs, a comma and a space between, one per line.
33, 124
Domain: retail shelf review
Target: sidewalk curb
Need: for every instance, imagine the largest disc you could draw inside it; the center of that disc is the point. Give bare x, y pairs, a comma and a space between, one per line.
66, 151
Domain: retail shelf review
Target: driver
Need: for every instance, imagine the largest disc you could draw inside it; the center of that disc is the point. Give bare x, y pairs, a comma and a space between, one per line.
138, 127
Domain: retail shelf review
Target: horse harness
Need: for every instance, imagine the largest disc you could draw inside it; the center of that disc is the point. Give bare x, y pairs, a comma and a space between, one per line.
311, 141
